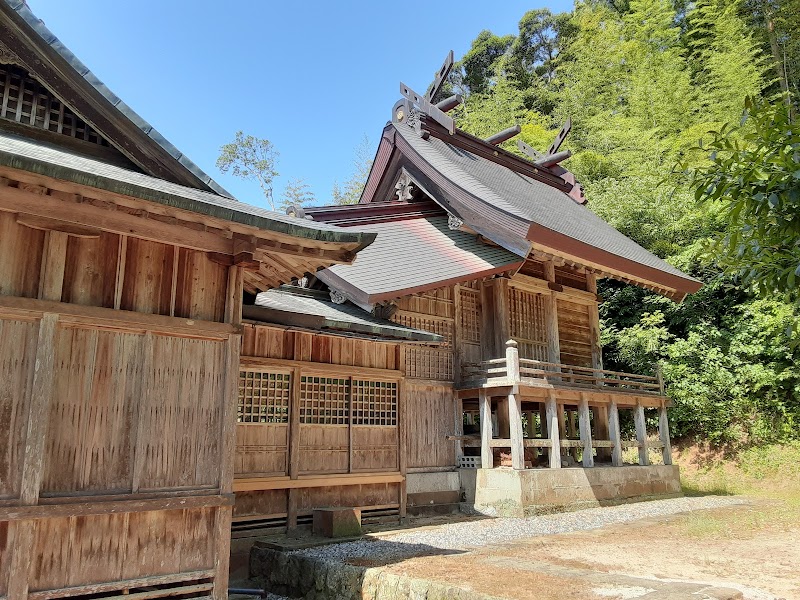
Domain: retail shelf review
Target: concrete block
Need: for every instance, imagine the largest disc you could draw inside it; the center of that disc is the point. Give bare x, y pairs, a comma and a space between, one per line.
337, 522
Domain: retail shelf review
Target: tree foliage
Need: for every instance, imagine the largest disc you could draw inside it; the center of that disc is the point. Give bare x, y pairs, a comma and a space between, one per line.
643, 81
251, 158
297, 193
350, 191
753, 178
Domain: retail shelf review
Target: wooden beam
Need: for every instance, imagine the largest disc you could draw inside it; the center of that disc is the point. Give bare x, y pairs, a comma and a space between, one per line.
47, 224
308, 367
285, 483
84, 214
109, 318
485, 408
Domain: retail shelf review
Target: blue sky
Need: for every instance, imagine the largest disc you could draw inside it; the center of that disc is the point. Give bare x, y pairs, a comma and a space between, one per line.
313, 77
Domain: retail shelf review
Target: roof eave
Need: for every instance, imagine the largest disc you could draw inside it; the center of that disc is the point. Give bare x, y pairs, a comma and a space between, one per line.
40, 167
677, 287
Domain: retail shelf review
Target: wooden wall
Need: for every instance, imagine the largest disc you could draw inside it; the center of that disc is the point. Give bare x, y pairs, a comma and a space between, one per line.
115, 469
315, 408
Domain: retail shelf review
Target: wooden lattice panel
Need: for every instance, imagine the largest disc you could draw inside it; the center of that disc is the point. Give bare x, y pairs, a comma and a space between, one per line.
263, 397
324, 400
443, 326
425, 362
27, 101
470, 316
374, 402
528, 324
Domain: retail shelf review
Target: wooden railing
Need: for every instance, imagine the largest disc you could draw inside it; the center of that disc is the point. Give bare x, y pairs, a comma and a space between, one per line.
514, 370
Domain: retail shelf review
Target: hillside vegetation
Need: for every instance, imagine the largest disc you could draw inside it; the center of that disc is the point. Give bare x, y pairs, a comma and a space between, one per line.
644, 82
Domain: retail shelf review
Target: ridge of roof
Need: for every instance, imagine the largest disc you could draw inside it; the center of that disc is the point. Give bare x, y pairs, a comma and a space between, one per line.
348, 215
149, 135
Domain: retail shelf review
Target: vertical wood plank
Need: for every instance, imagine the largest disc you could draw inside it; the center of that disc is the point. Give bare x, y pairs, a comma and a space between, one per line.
140, 415
222, 533
641, 434
614, 433
41, 397
294, 446
230, 395
586, 431
402, 436
32, 466
553, 431
120, 277
485, 408
233, 296
51, 281
663, 432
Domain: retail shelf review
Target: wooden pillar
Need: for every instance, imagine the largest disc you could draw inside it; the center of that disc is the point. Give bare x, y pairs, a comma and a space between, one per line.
494, 318
515, 421
234, 295
663, 432
503, 422
294, 447
551, 316
458, 425
553, 432
543, 420
585, 427
562, 428
54, 259
614, 434
402, 434
600, 420
641, 434
485, 407
572, 432
22, 531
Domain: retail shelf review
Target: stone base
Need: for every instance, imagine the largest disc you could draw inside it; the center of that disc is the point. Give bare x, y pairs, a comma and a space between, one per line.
509, 493
433, 493
337, 522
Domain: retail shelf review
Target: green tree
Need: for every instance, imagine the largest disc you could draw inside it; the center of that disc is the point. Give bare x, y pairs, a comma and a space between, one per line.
297, 193
479, 66
753, 179
251, 158
350, 192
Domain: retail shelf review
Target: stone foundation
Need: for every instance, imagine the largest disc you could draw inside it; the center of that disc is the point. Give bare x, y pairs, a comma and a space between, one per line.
434, 493
509, 493
303, 577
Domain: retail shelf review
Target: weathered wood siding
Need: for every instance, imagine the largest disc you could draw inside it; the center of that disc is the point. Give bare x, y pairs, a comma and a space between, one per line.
430, 414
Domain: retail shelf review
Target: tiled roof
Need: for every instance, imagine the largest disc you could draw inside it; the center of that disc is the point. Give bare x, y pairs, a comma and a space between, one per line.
414, 255
312, 309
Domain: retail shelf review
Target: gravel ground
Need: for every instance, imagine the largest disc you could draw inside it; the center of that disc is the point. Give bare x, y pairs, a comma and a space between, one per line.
471, 534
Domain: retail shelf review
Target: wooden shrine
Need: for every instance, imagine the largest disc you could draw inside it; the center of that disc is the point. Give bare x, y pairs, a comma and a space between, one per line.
122, 272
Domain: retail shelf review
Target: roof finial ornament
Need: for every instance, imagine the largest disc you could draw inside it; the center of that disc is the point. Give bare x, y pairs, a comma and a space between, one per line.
403, 110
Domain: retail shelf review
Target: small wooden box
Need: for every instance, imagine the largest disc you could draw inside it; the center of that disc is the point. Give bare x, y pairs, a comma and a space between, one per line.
337, 522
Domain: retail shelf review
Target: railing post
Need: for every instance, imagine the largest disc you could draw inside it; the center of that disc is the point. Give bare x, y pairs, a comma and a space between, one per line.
614, 434
512, 361
663, 432
552, 432
660, 377
485, 407
641, 434
585, 428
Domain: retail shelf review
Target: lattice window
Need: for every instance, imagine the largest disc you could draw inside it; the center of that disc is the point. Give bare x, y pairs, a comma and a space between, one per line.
443, 327
263, 397
324, 400
27, 101
470, 316
425, 362
374, 402
528, 324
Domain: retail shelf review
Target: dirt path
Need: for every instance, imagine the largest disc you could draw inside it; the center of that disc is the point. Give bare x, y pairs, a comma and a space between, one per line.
750, 551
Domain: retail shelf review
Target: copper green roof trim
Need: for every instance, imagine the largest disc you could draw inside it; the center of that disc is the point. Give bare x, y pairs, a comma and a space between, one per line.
44, 159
